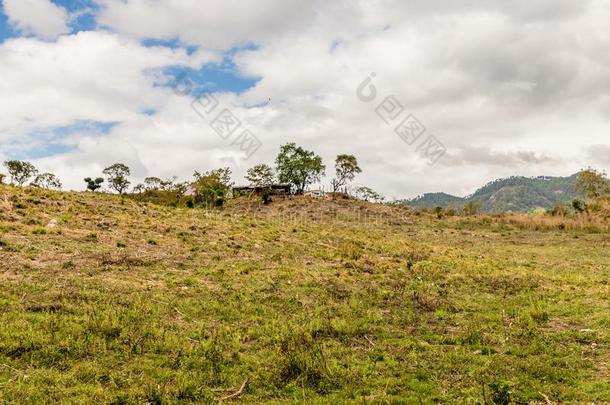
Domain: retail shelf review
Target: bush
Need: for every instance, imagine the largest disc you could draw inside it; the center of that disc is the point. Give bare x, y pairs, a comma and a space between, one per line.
301, 360
579, 205
560, 209
500, 393
211, 188
350, 250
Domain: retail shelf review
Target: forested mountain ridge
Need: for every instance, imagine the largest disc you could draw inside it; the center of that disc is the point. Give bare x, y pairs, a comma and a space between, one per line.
519, 194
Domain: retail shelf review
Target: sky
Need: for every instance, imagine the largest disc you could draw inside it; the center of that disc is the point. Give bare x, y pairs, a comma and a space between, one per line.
429, 95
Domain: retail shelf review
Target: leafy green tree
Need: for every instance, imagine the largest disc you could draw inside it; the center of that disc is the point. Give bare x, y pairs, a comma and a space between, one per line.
180, 188
2, 176
118, 175
592, 183
223, 175
161, 192
168, 184
19, 171
260, 175
471, 208
153, 183
94, 184
211, 187
368, 194
346, 169
48, 181
298, 166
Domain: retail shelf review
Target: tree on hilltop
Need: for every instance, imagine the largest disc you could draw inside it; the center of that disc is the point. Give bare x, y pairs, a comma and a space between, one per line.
118, 177
260, 175
346, 169
94, 184
298, 166
211, 187
47, 181
19, 171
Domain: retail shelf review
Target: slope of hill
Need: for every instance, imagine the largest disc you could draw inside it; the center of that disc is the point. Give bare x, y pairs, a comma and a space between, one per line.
107, 300
518, 194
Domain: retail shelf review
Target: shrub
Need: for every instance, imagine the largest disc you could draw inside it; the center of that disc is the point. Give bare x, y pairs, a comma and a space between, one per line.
350, 250
301, 360
579, 205
500, 393
560, 209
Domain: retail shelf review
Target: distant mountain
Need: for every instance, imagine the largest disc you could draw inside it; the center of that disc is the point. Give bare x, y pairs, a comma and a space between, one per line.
519, 194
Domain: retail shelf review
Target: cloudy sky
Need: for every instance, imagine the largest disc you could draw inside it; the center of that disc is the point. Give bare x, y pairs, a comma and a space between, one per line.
517, 87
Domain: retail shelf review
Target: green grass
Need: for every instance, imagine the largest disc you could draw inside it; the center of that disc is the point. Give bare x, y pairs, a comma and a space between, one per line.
305, 301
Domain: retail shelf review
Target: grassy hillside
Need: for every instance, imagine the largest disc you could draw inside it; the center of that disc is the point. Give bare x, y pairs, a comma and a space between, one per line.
518, 194
106, 300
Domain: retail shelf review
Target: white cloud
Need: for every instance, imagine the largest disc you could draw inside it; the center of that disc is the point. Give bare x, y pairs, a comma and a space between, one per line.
213, 24
39, 17
95, 76
511, 88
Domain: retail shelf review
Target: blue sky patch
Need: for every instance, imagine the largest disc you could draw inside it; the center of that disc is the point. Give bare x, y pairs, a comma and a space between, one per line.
54, 141
81, 12
38, 151
90, 127
6, 31
212, 78
83, 22
76, 5
174, 43
150, 112
223, 76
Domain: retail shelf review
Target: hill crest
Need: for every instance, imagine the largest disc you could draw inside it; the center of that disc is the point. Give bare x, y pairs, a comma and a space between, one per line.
516, 193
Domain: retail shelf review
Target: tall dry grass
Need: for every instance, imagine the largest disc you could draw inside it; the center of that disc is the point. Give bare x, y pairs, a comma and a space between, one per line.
595, 219
585, 222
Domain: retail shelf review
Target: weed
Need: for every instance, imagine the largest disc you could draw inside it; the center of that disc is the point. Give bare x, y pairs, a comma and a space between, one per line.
500, 393
350, 250
301, 360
